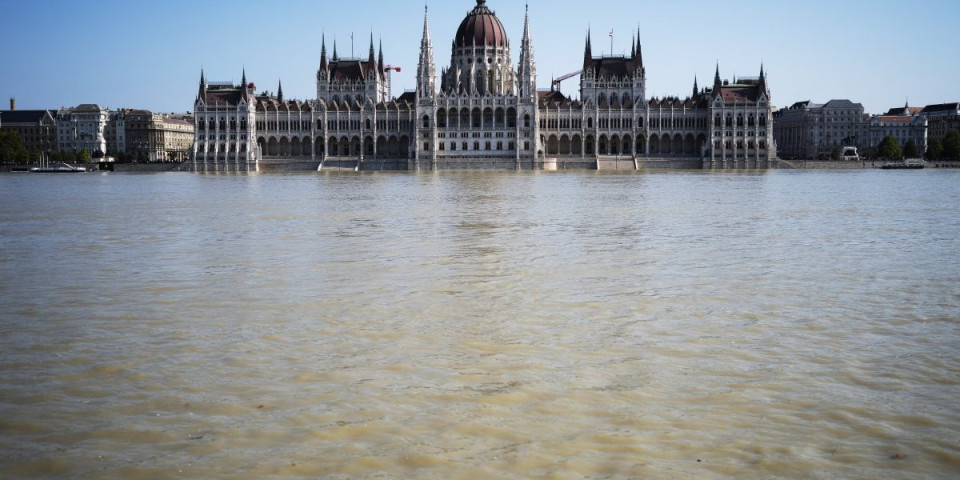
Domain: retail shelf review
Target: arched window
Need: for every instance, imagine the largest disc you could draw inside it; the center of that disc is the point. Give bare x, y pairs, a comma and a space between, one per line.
590, 122
526, 121
368, 124
426, 122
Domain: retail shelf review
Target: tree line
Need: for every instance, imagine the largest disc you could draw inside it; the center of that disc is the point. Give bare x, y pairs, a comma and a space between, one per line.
947, 148
14, 152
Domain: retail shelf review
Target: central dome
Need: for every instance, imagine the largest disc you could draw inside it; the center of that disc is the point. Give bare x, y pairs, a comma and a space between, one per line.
481, 28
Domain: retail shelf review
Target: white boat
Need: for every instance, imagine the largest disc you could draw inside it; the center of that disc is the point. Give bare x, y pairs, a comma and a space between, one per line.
62, 168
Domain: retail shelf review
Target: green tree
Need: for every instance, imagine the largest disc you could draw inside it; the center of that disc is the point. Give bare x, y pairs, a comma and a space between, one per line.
910, 149
35, 156
951, 145
84, 156
835, 153
935, 149
889, 148
12, 149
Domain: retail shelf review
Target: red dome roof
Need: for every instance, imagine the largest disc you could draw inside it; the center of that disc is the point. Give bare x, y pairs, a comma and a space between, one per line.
481, 27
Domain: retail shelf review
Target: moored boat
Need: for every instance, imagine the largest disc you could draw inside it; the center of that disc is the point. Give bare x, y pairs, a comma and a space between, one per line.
908, 165
62, 168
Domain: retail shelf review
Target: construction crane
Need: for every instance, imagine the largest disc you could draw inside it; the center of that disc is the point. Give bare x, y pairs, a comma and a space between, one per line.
386, 74
559, 80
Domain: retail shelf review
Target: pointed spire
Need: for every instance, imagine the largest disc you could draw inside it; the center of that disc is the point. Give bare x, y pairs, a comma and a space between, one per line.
587, 51
763, 78
203, 84
696, 89
633, 48
426, 71
243, 80
639, 48
335, 57
323, 53
528, 66
280, 91
716, 79
426, 24
380, 65
372, 59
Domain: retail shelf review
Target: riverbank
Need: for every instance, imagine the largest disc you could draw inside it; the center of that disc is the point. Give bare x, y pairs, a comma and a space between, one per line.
852, 165
117, 167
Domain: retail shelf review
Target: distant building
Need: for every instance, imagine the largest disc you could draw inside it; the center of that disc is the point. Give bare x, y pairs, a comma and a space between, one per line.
941, 119
224, 127
37, 128
83, 128
905, 110
901, 127
483, 111
810, 130
153, 137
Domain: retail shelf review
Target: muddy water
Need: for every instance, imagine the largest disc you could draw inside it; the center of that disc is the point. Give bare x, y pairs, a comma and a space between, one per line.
491, 325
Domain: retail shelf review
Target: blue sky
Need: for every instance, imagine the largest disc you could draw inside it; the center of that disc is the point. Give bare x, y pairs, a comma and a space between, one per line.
144, 54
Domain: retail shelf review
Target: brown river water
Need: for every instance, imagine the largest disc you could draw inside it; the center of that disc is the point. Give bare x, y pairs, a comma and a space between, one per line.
481, 325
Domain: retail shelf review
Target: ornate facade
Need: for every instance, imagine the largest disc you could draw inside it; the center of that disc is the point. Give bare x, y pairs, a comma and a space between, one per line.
486, 113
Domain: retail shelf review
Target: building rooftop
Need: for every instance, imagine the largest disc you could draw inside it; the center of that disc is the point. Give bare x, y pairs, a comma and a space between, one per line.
33, 117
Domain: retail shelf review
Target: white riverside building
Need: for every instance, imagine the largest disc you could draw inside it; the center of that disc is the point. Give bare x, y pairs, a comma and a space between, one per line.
485, 114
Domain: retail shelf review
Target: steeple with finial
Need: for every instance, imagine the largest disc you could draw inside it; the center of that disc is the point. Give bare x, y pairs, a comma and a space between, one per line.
426, 71
587, 51
203, 85
639, 54
763, 81
280, 91
696, 89
323, 54
716, 80
371, 59
380, 65
528, 66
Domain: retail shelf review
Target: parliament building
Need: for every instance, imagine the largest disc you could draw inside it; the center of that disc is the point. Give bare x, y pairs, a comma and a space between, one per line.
482, 112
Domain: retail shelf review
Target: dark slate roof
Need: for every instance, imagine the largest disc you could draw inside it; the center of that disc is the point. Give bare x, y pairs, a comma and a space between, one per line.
844, 103
410, 97
606, 67
943, 107
222, 95
24, 116
547, 96
676, 102
348, 70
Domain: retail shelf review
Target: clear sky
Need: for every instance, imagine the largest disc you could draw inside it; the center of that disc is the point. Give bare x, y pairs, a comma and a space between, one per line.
148, 54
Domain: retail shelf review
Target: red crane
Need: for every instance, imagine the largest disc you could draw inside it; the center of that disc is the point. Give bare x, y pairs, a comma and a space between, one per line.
386, 73
557, 81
